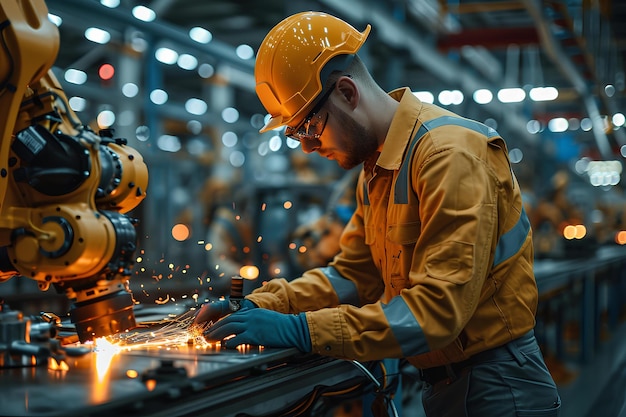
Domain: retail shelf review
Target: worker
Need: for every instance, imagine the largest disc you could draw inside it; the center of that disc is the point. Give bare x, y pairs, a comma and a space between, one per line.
436, 263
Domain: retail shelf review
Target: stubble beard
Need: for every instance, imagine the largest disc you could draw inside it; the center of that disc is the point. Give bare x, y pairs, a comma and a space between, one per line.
359, 143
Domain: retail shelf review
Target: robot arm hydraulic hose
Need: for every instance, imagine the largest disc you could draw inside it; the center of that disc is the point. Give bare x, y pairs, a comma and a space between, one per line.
64, 190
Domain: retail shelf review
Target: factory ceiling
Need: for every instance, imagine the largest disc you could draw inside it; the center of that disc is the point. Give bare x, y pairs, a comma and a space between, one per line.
577, 46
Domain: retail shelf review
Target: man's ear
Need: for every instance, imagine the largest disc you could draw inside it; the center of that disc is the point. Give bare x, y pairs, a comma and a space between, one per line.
349, 91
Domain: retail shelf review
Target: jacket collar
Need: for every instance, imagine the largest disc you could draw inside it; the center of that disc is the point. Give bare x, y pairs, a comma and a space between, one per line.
401, 129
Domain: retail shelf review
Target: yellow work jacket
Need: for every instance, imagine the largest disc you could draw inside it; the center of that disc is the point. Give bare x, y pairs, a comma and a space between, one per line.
436, 263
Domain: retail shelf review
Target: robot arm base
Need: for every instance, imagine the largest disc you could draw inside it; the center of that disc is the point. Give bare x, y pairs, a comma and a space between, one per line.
103, 316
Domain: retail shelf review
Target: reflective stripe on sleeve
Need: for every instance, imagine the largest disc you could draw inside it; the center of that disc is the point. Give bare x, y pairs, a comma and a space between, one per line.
512, 241
405, 327
344, 288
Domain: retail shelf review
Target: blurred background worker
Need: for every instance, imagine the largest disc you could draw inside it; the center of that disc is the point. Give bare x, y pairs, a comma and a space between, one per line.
436, 264
321, 236
229, 234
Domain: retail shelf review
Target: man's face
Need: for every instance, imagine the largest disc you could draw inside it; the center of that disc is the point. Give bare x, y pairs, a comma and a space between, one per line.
343, 140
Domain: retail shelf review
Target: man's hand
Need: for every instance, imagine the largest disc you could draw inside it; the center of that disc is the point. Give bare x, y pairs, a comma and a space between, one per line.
213, 311
259, 326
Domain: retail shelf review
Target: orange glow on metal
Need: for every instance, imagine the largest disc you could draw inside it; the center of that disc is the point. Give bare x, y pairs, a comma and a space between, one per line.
246, 348
104, 351
620, 237
54, 365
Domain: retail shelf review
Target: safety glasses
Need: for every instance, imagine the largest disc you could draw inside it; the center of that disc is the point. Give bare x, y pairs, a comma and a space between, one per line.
313, 124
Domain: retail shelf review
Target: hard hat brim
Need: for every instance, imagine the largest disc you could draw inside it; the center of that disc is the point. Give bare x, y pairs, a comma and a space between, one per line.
272, 124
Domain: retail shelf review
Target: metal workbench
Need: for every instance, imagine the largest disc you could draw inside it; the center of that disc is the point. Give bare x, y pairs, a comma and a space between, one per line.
184, 380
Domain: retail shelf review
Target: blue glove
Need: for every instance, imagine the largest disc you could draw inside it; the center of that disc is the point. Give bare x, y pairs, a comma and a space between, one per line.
215, 310
260, 326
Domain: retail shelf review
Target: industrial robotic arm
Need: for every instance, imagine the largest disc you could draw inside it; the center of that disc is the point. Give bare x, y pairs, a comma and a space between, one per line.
64, 190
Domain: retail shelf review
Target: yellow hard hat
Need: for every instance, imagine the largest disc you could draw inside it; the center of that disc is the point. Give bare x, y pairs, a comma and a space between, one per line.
291, 58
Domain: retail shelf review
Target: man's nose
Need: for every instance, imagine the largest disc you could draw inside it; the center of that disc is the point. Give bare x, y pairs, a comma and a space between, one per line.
310, 145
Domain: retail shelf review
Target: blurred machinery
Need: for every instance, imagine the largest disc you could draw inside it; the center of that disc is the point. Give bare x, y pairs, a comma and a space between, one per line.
64, 190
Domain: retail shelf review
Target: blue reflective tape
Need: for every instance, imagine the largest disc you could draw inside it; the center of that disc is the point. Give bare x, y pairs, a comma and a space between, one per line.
401, 191
344, 288
512, 241
459, 121
405, 327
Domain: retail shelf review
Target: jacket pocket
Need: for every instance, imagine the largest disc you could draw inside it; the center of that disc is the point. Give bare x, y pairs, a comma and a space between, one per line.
400, 241
451, 261
404, 234
550, 412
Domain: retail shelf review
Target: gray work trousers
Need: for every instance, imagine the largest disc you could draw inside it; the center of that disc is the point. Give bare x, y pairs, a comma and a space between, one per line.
509, 381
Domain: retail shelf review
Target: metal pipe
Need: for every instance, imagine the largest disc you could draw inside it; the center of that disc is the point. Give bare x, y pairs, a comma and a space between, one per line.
565, 65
